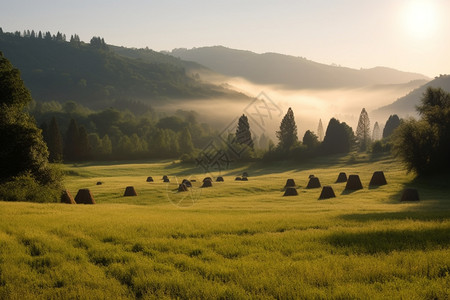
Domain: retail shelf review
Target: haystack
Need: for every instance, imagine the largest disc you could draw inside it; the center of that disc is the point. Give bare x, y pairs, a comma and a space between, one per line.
290, 191
207, 179
182, 188
219, 179
129, 191
84, 196
353, 183
245, 174
327, 192
66, 197
187, 183
378, 178
207, 183
150, 179
311, 176
244, 179
342, 177
313, 183
165, 177
238, 178
99, 183
410, 194
289, 183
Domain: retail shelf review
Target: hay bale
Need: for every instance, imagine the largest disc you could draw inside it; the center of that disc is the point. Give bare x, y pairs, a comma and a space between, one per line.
66, 197
410, 194
378, 178
289, 183
187, 183
245, 174
327, 192
290, 191
182, 188
207, 183
244, 179
193, 180
207, 179
342, 177
311, 176
164, 178
353, 183
219, 179
150, 179
84, 196
313, 183
99, 183
129, 191
238, 178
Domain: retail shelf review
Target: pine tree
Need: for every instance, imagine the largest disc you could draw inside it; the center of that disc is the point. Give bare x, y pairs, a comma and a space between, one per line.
320, 131
185, 141
83, 144
339, 137
287, 135
392, 123
376, 135
243, 134
54, 142
310, 140
71, 150
363, 130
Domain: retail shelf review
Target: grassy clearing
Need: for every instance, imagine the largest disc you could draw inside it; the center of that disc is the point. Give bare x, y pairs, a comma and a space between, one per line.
236, 240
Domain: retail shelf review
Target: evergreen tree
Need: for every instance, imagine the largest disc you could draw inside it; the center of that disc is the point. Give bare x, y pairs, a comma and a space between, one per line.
185, 141
320, 131
243, 134
71, 150
106, 149
83, 144
339, 138
363, 130
287, 135
310, 140
392, 123
54, 142
376, 135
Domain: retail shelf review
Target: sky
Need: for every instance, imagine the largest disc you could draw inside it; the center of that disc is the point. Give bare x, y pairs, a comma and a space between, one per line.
408, 35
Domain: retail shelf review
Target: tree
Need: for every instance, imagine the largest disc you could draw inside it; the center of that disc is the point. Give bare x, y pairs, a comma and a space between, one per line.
54, 142
339, 138
71, 150
424, 145
185, 141
23, 153
320, 131
83, 144
310, 140
363, 130
392, 123
287, 135
376, 135
243, 134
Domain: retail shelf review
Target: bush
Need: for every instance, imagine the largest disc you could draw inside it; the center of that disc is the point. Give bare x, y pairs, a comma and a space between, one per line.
26, 188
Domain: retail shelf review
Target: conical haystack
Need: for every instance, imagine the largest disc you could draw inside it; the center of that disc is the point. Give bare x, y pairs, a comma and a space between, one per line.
311, 176
289, 183
353, 183
219, 179
207, 183
182, 188
66, 197
378, 178
238, 178
245, 174
164, 178
327, 192
187, 183
410, 194
99, 183
313, 183
84, 196
342, 177
150, 179
290, 191
129, 191
207, 179
244, 179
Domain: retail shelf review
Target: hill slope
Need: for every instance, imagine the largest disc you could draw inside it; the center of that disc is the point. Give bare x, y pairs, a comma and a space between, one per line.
406, 105
289, 71
96, 76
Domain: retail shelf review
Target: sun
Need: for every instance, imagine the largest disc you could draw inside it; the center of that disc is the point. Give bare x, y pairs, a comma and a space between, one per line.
420, 18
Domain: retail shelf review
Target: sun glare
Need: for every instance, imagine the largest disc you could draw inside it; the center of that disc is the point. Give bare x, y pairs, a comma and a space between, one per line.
420, 18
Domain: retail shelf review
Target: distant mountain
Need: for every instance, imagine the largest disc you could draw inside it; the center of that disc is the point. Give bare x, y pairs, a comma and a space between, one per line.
96, 76
407, 105
289, 71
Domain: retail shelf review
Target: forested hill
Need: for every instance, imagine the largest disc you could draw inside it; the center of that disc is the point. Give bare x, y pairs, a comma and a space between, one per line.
289, 71
92, 74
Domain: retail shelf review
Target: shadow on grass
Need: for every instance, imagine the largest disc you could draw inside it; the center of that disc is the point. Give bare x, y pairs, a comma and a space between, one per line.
391, 240
404, 215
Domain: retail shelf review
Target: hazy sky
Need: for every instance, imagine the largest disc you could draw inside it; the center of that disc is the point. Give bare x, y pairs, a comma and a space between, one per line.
410, 35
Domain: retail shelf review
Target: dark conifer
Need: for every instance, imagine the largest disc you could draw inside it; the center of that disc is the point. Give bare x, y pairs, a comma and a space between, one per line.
287, 135
243, 134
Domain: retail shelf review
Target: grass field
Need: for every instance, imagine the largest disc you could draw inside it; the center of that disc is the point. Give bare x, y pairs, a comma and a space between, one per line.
236, 240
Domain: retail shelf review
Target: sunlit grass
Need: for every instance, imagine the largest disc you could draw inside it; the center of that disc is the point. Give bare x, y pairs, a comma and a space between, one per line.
237, 240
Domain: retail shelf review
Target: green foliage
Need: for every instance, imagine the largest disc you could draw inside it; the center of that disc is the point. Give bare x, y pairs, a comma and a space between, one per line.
26, 188
339, 138
392, 123
243, 134
424, 146
310, 140
287, 135
54, 142
363, 131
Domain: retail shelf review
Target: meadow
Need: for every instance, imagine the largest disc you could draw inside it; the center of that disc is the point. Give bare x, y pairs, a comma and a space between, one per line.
235, 240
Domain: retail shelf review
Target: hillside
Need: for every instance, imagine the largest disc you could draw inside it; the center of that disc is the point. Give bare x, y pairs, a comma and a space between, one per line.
96, 76
289, 71
406, 105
